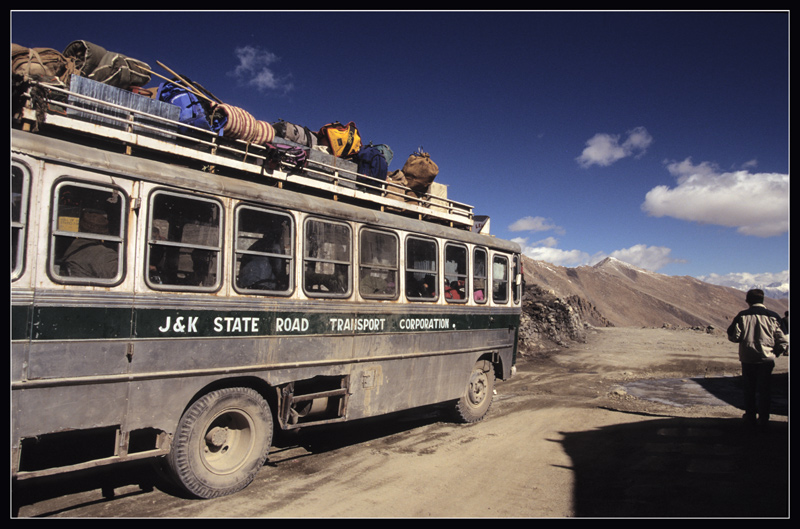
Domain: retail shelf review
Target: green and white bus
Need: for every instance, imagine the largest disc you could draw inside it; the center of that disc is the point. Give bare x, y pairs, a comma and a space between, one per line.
172, 299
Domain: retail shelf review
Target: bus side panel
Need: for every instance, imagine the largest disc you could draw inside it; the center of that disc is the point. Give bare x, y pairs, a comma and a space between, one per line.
42, 410
77, 359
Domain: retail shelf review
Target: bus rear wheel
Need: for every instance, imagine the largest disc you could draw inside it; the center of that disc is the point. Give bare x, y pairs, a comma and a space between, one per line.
221, 442
477, 399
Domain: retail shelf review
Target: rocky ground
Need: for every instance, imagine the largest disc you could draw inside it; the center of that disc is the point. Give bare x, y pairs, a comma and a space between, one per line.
628, 422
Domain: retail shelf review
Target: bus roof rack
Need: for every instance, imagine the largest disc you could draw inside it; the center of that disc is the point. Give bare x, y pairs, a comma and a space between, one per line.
110, 117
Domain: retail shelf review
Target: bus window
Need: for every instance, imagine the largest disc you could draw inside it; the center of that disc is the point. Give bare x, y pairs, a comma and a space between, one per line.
326, 270
264, 248
517, 278
422, 267
377, 265
479, 275
20, 182
455, 273
500, 279
87, 233
184, 242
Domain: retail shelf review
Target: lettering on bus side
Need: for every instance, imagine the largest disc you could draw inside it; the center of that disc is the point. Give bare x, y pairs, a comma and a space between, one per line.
211, 323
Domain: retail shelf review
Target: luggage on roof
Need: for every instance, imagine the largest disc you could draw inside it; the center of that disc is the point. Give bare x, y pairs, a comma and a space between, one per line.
344, 141
42, 64
420, 171
295, 133
112, 68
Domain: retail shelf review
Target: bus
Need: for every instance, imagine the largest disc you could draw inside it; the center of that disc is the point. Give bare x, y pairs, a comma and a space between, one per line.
172, 299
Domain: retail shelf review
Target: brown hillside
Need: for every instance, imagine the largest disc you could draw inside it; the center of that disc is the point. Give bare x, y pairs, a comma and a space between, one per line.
623, 295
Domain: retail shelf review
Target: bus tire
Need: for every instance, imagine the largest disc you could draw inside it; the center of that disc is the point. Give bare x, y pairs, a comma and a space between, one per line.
221, 442
477, 399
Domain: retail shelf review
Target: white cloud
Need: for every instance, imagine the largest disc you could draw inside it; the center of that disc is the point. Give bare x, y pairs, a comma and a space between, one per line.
642, 256
754, 203
255, 68
534, 224
650, 258
775, 285
745, 280
604, 149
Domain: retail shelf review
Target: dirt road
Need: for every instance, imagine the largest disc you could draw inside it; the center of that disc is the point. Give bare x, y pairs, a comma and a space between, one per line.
634, 423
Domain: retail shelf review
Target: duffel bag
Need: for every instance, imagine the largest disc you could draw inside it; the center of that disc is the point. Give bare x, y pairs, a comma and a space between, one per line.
278, 155
195, 111
295, 133
420, 171
344, 141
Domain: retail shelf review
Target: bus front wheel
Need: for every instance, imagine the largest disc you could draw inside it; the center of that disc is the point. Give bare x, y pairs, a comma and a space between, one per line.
477, 399
221, 442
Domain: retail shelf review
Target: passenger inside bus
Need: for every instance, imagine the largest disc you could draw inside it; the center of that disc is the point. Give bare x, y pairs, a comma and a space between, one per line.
91, 257
420, 288
157, 257
259, 271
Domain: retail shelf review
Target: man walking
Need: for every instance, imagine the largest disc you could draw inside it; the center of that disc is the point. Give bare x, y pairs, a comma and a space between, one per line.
758, 332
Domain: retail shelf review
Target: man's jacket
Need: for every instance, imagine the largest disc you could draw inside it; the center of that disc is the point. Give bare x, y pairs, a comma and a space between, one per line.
758, 332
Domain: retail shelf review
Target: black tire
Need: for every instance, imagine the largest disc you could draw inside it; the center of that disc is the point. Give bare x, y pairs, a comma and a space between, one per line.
221, 442
478, 395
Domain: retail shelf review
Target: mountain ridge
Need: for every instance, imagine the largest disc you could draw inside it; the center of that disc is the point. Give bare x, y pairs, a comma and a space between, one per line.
613, 293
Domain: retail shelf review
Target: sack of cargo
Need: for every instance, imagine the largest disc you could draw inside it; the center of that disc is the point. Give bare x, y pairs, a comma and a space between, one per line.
343, 140
396, 185
371, 162
295, 133
195, 111
420, 171
98, 64
42, 64
279, 155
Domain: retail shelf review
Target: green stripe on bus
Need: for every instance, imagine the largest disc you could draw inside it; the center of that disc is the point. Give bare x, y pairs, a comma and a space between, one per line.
90, 323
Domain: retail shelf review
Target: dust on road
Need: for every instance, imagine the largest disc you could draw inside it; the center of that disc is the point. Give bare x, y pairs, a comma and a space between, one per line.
634, 423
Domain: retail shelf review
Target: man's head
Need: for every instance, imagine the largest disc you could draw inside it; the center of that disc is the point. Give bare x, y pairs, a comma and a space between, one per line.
755, 296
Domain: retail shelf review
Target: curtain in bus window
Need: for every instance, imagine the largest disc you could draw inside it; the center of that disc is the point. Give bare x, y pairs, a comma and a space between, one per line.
455, 273
479, 276
327, 258
184, 245
263, 250
377, 264
500, 279
88, 228
421, 269
20, 181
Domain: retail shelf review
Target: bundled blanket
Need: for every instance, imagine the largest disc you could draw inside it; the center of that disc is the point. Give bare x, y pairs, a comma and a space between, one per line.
98, 64
241, 125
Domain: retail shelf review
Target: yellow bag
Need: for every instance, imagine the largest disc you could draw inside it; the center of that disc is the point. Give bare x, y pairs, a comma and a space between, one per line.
343, 140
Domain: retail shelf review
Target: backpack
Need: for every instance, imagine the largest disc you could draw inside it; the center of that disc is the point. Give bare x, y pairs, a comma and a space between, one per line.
194, 110
343, 140
371, 162
295, 133
278, 155
420, 171
387, 152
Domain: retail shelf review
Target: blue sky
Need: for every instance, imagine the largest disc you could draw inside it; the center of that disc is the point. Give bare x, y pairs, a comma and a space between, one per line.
659, 138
